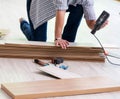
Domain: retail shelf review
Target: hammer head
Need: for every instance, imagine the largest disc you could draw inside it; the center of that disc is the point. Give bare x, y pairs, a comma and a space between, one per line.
57, 60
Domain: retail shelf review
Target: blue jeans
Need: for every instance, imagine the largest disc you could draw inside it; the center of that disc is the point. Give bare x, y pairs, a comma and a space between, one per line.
73, 22
38, 34
70, 29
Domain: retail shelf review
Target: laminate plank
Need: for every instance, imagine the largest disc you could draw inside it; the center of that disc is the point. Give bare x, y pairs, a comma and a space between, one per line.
63, 87
74, 52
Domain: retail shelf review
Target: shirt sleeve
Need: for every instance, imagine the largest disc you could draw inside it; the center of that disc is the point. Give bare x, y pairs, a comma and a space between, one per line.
88, 8
61, 4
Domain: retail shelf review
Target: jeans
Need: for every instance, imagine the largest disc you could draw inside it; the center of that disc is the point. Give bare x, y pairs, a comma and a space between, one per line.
73, 22
40, 34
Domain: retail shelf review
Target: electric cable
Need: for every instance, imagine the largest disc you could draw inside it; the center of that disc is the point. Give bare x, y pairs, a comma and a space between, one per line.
113, 56
105, 52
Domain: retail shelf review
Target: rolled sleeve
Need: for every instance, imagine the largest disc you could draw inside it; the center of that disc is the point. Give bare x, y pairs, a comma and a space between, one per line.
61, 4
89, 12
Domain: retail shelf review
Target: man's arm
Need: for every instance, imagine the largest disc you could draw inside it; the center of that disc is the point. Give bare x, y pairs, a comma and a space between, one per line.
60, 14
90, 23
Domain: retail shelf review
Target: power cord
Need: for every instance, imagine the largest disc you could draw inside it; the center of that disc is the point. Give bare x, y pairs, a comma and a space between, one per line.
106, 55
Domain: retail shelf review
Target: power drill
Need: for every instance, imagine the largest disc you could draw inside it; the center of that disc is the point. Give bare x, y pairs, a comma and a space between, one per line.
99, 22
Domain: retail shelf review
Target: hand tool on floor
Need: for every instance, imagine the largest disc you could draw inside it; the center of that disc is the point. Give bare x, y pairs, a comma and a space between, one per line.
40, 62
55, 61
58, 60
63, 67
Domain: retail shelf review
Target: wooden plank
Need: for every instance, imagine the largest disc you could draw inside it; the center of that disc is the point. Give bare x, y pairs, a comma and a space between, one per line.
49, 50
63, 87
50, 43
58, 72
41, 56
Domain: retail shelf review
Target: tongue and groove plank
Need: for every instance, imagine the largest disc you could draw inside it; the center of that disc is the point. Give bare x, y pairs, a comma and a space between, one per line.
62, 87
48, 51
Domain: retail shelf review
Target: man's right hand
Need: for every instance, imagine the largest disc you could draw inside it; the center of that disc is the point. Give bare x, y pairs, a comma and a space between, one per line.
62, 43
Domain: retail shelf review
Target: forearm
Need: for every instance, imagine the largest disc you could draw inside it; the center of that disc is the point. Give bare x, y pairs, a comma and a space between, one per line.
58, 29
91, 23
60, 14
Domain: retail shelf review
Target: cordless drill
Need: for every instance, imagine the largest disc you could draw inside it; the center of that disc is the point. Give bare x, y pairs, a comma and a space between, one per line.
99, 22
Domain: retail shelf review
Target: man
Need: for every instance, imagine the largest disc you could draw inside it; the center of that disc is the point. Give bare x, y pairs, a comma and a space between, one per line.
58, 8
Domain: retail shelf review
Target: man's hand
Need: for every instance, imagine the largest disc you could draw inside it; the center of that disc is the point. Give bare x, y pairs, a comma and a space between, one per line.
63, 43
104, 24
91, 24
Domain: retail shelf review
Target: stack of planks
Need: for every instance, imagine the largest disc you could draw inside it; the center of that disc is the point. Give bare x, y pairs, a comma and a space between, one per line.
48, 50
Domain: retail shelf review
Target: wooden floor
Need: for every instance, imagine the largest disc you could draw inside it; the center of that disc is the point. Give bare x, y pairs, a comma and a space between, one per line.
24, 70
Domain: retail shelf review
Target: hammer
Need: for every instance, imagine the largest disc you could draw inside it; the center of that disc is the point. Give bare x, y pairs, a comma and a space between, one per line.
57, 60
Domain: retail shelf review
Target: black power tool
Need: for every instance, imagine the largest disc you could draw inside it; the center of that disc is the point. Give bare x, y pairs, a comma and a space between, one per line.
99, 22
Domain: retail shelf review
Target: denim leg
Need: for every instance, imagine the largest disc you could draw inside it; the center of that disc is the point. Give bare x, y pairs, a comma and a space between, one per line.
28, 4
28, 8
39, 34
26, 29
73, 21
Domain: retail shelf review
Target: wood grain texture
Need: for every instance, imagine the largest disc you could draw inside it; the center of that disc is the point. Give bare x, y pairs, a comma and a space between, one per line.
50, 88
58, 72
49, 50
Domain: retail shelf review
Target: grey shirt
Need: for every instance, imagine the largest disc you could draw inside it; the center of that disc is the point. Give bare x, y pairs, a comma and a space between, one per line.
87, 5
43, 10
